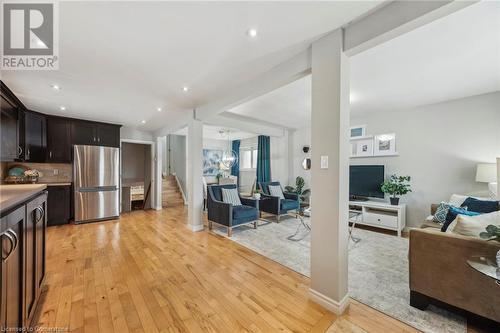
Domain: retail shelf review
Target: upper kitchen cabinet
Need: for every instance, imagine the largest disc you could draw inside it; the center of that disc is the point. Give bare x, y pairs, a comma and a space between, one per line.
11, 125
108, 135
95, 134
58, 140
35, 137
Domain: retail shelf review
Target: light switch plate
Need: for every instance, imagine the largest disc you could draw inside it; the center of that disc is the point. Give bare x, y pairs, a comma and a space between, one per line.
56, 172
324, 162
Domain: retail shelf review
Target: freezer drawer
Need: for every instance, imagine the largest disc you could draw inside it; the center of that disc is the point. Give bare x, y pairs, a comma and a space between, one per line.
97, 205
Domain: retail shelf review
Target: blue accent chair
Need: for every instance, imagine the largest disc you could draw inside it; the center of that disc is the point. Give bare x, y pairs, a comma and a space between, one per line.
228, 215
275, 205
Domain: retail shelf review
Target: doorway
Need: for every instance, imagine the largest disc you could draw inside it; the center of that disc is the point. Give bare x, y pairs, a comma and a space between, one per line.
136, 176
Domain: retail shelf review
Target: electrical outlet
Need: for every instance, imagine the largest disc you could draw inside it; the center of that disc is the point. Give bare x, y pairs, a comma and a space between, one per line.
56, 172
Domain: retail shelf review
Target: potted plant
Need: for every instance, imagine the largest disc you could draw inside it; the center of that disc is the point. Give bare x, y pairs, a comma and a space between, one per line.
396, 185
492, 233
32, 175
299, 189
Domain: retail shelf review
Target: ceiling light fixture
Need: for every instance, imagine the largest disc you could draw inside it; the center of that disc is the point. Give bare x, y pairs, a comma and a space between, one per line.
252, 32
158, 109
62, 108
143, 121
56, 87
185, 88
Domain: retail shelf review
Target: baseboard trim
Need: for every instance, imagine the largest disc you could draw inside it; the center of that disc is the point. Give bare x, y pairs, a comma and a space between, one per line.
195, 228
336, 307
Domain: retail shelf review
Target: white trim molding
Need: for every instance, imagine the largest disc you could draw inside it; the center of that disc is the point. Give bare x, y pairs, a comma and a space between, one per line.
195, 228
336, 307
180, 188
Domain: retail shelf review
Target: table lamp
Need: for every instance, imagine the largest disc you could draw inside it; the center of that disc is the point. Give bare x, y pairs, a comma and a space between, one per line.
487, 173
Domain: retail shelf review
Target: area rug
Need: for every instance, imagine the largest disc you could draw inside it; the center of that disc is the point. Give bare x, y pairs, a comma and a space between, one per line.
378, 270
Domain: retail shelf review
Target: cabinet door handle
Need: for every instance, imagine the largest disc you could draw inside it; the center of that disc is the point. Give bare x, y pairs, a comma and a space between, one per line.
27, 154
94, 138
16, 240
42, 213
19, 151
98, 139
11, 241
50, 154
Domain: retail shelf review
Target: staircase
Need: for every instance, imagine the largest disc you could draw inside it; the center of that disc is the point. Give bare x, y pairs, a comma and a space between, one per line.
171, 194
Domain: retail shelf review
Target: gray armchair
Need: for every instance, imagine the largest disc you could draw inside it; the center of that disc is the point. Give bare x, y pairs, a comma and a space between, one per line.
228, 215
275, 205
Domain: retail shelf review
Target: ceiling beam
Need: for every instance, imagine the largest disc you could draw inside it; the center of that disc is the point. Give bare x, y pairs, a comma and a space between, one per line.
245, 124
394, 19
289, 71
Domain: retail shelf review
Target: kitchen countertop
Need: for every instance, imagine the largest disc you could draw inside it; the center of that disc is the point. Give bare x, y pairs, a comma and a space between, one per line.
12, 195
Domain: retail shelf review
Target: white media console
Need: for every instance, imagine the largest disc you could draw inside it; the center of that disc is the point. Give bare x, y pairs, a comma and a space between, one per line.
379, 214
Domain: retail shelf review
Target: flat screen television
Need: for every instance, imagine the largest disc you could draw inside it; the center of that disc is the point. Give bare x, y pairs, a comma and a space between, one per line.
365, 181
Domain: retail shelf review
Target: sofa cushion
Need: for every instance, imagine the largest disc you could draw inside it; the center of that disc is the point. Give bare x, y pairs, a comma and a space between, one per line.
480, 206
453, 212
441, 212
230, 195
276, 191
243, 212
288, 204
457, 199
474, 225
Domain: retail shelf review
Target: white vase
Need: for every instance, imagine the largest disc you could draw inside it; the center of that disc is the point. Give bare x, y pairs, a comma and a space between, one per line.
256, 196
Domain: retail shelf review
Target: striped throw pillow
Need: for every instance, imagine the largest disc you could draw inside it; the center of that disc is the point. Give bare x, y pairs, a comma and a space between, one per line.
230, 195
275, 191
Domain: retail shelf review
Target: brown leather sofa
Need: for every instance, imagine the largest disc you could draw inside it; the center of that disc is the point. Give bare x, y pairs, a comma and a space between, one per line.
439, 272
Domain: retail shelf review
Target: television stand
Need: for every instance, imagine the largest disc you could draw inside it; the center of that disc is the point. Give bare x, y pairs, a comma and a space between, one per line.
380, 214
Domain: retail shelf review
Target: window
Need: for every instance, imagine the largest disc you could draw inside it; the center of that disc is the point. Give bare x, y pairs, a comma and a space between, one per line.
248, 158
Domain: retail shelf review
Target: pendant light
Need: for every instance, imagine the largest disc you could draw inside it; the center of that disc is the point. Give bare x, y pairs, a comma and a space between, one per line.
229, 157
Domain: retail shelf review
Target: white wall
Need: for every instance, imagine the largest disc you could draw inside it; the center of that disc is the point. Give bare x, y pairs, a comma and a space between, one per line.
178, 156
135, 134
279, 159
439, 146
301, 138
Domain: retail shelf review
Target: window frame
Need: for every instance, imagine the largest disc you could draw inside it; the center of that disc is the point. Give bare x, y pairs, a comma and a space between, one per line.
253, 161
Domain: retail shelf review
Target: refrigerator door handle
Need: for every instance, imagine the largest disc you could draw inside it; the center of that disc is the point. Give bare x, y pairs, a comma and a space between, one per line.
97, 189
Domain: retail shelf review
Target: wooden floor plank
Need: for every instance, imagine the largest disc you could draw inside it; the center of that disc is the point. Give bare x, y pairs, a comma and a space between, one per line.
146, 272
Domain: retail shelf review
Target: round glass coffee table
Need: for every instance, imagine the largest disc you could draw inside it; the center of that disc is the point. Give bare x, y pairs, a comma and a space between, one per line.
486, 266
302, 225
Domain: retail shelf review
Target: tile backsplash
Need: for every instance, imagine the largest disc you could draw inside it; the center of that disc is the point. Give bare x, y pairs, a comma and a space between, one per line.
64, 171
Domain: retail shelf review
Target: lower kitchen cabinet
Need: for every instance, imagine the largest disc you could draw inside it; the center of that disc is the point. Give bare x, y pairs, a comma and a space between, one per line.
23, 243
12, 237
59, 205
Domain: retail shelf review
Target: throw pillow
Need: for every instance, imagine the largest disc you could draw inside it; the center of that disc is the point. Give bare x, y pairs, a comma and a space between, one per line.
453, 212
441, 212
276, 191
230, 195
474, 225
457, 200
480, 206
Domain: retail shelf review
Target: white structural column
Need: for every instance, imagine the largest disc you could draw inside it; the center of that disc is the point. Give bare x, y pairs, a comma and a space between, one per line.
195, 174
330, 172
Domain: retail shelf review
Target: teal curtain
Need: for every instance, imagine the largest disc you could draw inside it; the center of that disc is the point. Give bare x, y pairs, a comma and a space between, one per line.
235, 169
264, 159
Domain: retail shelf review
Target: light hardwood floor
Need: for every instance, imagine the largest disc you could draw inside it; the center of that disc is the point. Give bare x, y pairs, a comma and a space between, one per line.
146, 272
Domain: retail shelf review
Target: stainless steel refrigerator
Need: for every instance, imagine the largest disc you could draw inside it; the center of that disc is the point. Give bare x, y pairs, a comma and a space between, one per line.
96, 179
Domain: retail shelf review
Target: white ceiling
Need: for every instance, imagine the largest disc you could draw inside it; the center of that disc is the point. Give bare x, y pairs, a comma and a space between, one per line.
214, 133
454, 57
119, 61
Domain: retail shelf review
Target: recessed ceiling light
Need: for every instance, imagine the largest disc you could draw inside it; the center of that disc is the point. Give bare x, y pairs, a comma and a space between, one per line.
56, 87
62, 108
185, 88
143, 121
158, 109
252, 32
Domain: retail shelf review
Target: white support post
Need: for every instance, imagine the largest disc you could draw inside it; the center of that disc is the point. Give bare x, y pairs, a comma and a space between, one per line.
329, 176
195, 174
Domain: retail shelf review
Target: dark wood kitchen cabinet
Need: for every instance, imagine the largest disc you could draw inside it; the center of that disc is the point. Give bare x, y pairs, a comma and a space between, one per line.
36, 217
11, 125
58, 140
12, 270
22, 272
95, 134
35, 137
59, 205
